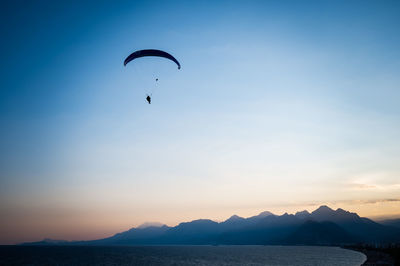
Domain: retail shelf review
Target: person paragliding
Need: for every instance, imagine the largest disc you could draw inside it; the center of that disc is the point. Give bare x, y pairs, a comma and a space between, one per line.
151, 52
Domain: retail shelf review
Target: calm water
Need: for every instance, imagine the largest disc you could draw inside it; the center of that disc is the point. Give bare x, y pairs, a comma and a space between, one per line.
180, 255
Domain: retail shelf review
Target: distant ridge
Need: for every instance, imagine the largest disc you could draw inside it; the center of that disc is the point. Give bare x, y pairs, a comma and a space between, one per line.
391, 222
48, 242
323, 226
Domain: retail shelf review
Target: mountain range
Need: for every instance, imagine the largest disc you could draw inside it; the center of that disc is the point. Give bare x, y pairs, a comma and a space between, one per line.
323, 226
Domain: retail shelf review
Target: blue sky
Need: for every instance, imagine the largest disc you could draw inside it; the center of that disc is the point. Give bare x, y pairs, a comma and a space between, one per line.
279, 105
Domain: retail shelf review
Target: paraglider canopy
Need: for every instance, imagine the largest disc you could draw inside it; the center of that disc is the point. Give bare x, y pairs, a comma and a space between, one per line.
151, 52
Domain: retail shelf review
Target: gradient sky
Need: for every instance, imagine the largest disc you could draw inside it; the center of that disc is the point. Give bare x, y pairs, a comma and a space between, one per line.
279, 106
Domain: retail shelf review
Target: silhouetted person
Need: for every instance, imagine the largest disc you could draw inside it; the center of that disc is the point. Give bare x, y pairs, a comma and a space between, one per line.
148, 98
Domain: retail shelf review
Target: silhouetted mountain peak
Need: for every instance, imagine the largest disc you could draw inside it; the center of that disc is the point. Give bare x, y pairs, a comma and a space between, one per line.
324, 213
347, 213
234, 218
265, 214
302, 215
141, 232
196, 224
150, 224
323, 209
200, 221
261, 216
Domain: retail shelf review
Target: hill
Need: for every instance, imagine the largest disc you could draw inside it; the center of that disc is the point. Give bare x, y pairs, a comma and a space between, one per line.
323, 226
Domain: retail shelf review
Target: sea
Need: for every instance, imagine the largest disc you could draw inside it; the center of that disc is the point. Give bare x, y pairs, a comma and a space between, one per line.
180, 255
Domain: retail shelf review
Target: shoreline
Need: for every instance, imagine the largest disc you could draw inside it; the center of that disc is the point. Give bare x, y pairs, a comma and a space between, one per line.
374, 256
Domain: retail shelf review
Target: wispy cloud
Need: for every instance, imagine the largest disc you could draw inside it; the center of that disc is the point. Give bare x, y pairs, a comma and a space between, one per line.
316, 204
362, 186
357, 202
370, 186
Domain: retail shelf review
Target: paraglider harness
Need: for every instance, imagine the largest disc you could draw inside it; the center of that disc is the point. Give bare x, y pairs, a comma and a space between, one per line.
148, 98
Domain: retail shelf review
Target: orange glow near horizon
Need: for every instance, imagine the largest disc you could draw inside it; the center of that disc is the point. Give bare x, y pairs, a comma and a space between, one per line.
95, 225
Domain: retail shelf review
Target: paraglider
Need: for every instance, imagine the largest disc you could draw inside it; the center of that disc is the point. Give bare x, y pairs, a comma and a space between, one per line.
151, 52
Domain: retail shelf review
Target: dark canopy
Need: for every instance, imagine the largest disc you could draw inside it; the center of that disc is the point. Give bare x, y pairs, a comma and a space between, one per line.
150, 52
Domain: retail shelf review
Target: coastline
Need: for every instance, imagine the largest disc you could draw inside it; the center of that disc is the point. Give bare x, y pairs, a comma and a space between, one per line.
374, 256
